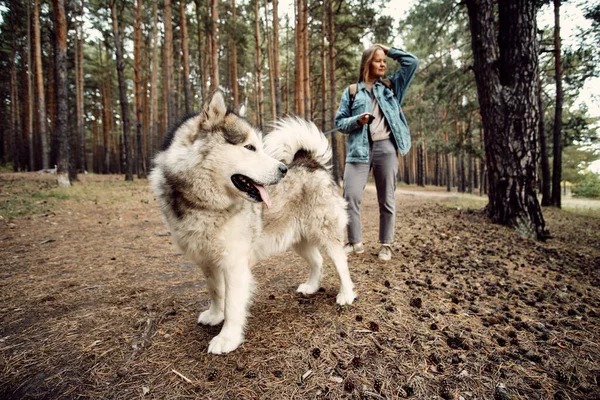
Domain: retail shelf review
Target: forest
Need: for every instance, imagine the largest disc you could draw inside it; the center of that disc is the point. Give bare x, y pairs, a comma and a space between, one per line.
98, 83
96, 302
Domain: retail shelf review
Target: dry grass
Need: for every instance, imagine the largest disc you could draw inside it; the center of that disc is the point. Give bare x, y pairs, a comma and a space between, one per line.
95, 303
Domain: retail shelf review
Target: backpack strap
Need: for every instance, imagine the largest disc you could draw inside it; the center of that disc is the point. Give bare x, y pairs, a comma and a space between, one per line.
352, 91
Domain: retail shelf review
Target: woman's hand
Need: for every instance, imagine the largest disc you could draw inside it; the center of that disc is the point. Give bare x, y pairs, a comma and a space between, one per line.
383, 46
365, 119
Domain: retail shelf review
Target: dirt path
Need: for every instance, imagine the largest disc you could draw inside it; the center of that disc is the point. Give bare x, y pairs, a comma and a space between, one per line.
96, 303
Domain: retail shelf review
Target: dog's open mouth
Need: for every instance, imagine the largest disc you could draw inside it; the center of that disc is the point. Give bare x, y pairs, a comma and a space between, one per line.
254, 190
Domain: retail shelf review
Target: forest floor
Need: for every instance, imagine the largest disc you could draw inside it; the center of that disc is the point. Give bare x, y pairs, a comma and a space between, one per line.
95, 302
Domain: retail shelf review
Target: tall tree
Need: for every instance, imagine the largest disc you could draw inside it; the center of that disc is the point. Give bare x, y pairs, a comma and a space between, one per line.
168, 63
332, 90
62, 106
259, 87
557, 133
153, 136
214, 50
186, 58
137, 80
30, 144
299, 94
42, 119
122, 91
276, 67
505, 63
202, 76
270, 63
79, 82
544, 164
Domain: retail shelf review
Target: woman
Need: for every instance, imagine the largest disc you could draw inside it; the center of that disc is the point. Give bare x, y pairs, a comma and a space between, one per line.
377, 130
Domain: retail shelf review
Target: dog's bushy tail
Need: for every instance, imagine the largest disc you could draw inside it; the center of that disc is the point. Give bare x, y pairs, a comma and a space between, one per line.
291, 135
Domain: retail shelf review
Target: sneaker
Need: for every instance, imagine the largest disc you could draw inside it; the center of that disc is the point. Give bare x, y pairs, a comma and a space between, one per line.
356, 248
385, 253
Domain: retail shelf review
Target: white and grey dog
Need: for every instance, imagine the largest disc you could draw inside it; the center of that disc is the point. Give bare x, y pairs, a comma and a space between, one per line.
210, 181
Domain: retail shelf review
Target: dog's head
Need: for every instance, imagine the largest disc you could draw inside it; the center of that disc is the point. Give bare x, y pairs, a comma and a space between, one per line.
219, 148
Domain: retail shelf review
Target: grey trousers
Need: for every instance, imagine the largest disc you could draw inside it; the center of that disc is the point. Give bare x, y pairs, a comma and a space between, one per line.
383, 159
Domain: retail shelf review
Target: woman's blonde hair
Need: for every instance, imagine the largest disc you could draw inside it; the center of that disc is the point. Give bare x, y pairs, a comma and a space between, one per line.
365, 62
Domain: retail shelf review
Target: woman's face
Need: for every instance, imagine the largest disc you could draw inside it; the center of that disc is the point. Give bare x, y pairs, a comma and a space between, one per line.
378, 66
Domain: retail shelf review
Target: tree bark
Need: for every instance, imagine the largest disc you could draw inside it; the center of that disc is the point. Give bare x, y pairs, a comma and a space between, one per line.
276, 68
335, 146
168, 63
234, 58
137, 78
64, 144
79, 82
506, 73
306, 65
214, 51
30, 143
259, 94
153, 137
270, 64
201, 60
545, 165
557, 134
186, 58
122, 93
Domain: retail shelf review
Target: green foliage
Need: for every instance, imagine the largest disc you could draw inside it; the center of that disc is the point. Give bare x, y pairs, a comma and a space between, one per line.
576, 159
588, 186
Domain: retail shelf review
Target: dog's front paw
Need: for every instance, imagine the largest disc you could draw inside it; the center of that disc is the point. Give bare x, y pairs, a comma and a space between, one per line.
209, 317
222, 344
345, 298
305, 289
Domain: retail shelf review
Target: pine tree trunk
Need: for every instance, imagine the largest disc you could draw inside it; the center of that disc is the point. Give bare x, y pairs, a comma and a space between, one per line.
323, 70
276, 68
470, 167
335, 145
168, 63
126, 155
305, 59
214, 51
234, 58
270, 64
259, 86
30, 144
557, 134
14, 111
201, 69
506, 73
137, 78
153, 137
299, 60
62, 109
186, 58
79, 82
545, 165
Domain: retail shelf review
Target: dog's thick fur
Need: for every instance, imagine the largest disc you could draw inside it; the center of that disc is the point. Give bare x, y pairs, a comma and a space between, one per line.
209, 181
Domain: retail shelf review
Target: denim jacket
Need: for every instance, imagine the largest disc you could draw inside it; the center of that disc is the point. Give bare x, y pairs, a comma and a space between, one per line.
390, 101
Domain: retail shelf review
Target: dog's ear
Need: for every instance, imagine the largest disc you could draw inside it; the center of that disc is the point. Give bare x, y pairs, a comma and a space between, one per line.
214, 109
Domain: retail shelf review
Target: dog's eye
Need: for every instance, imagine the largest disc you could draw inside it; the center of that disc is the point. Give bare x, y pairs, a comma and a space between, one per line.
250, 147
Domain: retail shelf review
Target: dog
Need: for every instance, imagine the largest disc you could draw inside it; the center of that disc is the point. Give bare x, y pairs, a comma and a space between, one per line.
231, 199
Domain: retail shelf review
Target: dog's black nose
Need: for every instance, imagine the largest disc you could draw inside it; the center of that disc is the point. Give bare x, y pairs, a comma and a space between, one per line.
283, 170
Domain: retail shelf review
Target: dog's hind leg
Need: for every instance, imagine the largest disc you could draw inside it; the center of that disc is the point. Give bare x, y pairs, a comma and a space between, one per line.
311, 254
336, 252
239, 286
216, 290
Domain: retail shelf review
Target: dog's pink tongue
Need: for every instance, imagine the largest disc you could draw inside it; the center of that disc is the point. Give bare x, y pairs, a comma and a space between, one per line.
264, 195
